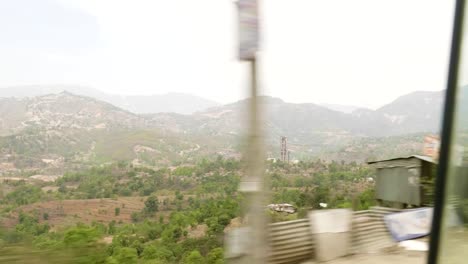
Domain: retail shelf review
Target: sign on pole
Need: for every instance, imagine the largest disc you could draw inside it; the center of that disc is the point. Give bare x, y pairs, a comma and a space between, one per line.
248, 29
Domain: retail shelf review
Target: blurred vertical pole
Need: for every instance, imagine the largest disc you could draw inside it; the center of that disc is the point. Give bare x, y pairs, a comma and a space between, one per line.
253, 184
446, 156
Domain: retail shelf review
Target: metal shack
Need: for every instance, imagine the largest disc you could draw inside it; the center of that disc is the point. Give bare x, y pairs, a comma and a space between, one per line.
404, 181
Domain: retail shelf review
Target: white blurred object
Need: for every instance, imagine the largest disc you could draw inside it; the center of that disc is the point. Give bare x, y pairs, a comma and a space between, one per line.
414, 245
284, 207
237, 242
250, 186
323, 205
409, 224
332, 231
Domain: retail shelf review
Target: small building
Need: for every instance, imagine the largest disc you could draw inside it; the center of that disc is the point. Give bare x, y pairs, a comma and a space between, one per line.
404, 181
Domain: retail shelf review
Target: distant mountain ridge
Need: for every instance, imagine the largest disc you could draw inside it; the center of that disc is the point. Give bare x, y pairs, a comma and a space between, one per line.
347, 109
411, 113
76, 129
312, 129
63, 111
140, 104
416, 111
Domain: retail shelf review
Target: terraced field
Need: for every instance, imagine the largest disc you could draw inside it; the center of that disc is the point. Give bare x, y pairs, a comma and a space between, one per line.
69, 212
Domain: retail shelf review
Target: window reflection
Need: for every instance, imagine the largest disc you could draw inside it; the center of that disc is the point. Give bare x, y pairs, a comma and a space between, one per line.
454, 243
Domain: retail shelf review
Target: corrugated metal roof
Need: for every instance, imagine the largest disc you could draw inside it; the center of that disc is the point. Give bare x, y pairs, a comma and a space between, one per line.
420, 157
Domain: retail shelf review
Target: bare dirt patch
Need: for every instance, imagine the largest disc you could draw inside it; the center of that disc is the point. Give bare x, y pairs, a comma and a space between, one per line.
197, 231
235, 223
69, 212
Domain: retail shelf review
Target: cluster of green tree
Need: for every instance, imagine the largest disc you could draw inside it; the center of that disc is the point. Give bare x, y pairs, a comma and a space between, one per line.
22, 194
145, 241
121, 179
169, 242
338, 184
151, 238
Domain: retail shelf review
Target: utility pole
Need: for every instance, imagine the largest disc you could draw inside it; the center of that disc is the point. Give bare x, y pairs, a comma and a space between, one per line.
253, 184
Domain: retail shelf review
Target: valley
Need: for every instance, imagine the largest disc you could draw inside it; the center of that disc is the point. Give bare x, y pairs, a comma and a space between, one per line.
84, 180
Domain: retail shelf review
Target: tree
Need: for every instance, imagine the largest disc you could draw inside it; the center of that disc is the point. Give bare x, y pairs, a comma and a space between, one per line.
194, 257
126, 255
179, 196
158, 252
80, 236
30, 225
24, 194
366, 199
83, 241
171, 234
135, 217
111, 228
117, 211
215, 256
151, 204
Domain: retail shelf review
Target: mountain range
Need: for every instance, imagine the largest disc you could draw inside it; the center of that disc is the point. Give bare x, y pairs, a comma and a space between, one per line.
56, 131
171, 102
341, 108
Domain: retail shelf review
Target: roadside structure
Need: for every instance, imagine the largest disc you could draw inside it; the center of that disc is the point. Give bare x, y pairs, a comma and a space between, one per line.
404, 181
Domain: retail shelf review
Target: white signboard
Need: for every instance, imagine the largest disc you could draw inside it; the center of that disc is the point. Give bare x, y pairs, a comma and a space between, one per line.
248, 29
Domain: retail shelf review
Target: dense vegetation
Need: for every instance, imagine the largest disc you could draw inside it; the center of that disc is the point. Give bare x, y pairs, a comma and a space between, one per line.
186, 209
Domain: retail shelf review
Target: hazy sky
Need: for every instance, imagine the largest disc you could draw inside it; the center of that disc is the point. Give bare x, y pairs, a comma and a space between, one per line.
358, 52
